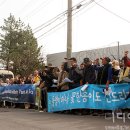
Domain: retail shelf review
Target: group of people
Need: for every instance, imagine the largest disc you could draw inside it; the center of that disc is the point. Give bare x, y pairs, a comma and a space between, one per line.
20, 80
101, 71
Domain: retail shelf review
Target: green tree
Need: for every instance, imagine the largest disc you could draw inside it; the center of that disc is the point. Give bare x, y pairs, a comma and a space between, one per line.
19, 46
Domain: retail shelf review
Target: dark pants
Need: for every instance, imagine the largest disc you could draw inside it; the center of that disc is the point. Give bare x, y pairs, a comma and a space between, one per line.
44, 98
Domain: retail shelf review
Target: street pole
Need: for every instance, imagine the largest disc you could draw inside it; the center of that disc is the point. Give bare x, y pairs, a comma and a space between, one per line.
69, 29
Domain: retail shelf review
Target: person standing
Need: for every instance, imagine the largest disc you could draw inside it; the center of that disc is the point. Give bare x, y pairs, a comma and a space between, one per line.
89, 75
125, 69
61, 86
36, 78
74, 73
126, 59
104, 76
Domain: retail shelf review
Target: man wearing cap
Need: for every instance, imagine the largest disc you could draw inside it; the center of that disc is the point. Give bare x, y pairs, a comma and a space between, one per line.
74, 73
89, 75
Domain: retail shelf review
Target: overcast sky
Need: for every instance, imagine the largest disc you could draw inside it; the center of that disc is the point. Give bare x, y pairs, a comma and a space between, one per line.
93, 26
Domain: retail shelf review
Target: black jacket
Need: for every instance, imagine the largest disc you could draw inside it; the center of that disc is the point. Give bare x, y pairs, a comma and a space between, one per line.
74, 73
103, 74
48, 79
89, 75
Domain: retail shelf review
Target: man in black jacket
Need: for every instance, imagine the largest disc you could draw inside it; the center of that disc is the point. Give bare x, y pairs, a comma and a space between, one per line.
105, 73
74, 72
45, 85
89, 74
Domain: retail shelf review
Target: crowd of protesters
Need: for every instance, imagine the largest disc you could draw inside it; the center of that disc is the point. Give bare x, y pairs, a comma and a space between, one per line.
101, 71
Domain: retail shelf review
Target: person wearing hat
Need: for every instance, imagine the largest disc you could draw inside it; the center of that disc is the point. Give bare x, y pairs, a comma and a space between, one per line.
89, 77
89, 72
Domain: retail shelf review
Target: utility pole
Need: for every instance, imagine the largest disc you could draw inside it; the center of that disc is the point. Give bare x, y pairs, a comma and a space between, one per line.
69, 29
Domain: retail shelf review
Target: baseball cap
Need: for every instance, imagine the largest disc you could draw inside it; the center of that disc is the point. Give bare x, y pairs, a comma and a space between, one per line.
72, 58
86, 60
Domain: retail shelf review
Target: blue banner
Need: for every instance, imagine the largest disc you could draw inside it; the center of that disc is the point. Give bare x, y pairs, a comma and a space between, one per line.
18, 93
93, 97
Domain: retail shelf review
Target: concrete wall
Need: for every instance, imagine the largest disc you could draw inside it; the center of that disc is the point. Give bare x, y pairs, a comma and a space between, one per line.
57, 58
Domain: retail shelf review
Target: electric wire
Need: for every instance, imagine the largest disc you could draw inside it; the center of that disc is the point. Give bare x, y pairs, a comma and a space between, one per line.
37, 9
55, 18
86, 4
112, 12
83, 6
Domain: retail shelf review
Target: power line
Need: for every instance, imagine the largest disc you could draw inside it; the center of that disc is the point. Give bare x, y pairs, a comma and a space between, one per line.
112, 12
86, 4
56, 17
83, 6
51, 28
60, 23
49, 22
87, 8
25, 7
41, 7
56, 28
37, 8
75, 14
